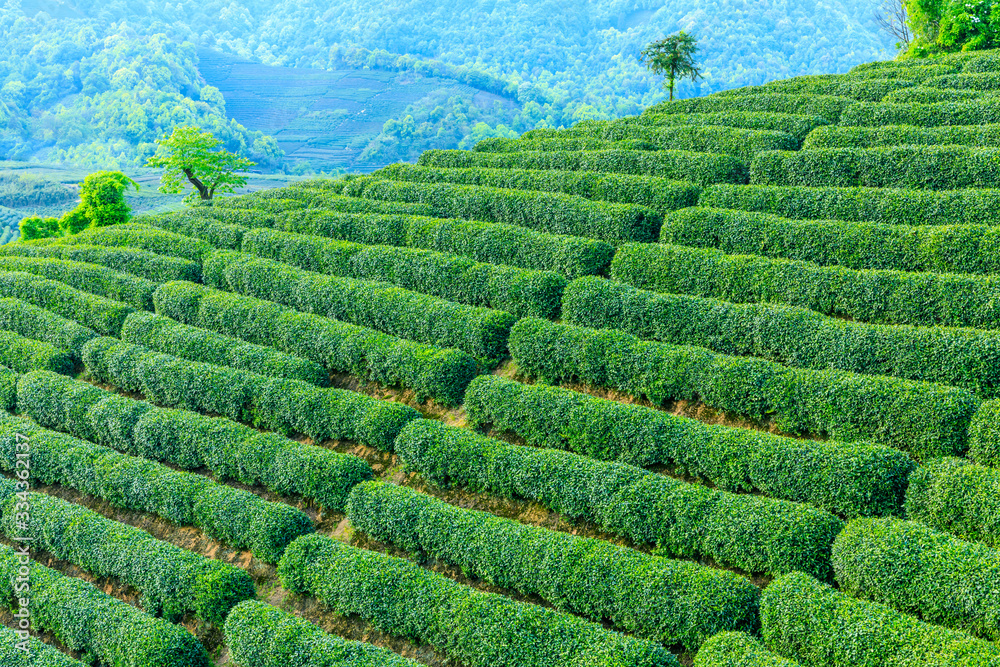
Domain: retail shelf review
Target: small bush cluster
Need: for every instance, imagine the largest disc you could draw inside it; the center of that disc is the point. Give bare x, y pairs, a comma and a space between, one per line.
957, 496
24, 355
90, 278
31, 321
104, 316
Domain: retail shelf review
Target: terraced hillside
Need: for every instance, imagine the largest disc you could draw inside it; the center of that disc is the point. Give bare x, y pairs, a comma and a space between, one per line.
718, 384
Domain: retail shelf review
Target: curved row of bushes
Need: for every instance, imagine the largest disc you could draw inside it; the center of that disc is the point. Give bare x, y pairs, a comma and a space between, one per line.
886, 206
752, 533
24, 354
669, 601
105, 316
700, 168
836, 136
973, 112
658, 194
85, 619
737, 649
923, 419
135, 234
189, 440
932, 95
475, 628
881, 297
566, 143
238, 518
442, 374
137, 262
829, 107
277, 199
957, 496
966, 81
848, 479
275, 403
38, 653
967, 358
34, 322
796, 124
855, 245
168, 336
90, 278
481, 332
198, 232
932, 167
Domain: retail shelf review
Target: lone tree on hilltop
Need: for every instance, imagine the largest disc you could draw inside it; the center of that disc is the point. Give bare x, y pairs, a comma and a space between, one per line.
188, 153
674, 57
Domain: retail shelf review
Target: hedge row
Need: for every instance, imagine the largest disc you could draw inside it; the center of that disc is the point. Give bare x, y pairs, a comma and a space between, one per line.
957, 496
173, 581
967, 358
168, 336
474, 628
701, 168
104, 316
85, 619
198, 235
930, 167
797, 125
887, 206
24, 355
8, 389
238, 518
920, 418
930, 95
847, 479
836, 136
737, 649
31, 321
90, 278
985, 81
829, 107
327, 200
984, 435
578, 143
921, 571
669, 601
343, 348
258, 635
137, 262
816, 625
145, 237
977, 112
521, 292
863, 89
855, 245
752, 533
275, 403
889, 297
549, 212
189, 440
38, 653
481, 332
658, 194
905, 70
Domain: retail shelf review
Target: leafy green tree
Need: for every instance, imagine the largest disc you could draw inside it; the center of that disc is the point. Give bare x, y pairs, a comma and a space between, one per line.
193, 155
673, 56
953, 25
102, 202
37, 227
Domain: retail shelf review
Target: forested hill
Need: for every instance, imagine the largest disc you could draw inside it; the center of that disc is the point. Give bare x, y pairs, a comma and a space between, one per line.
97, 82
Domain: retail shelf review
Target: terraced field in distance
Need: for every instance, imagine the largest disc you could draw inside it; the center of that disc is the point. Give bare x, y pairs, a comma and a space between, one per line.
716, 385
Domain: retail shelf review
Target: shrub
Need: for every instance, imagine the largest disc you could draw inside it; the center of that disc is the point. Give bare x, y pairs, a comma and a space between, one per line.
38, 653
855, 245
31, 321
984, 435
521, 292
752, 533
687, 603
896, 135
275, 403
984, 81
921, 571
852, 480
141, 263
196, 235
429, 371
312, 197
102, 315
474, 628
886, 206
568, 143
168, 336
931, 95
658, 194
8, 389
24, 355
933, 167
829, 107
816, 625
973, 112
145, 237
921, 418
258, 635
737, 649
701, 168
190, 440
479, 331
236, 517
87, 620
888, 297
957, 496
91, 278
967, 358
797, 125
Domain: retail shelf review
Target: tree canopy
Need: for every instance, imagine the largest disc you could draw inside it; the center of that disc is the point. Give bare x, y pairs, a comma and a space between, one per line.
673, 56
190, 155
953, 25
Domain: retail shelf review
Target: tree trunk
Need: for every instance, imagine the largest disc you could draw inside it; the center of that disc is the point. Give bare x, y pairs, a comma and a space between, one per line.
206, 194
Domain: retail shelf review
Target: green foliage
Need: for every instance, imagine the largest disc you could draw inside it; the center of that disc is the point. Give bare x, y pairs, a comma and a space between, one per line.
829, 107
36, 227
849, 479
85, 619
8, 389
737, 649
39, 653
889, 297
258, 635
339, 347
752, 533
957, 496
984, 435
930, 95
934, 167
982, 81
816, 625
310, 195
238, 518
191, 154
24, 355
104, 316
478, 331
977, 112
918, 570
190, 440
141, 263
91, 278
921, 418
669, 601
835, 136
189, 235
952, 25
652, 124
674, 57
102, 198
